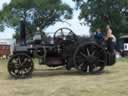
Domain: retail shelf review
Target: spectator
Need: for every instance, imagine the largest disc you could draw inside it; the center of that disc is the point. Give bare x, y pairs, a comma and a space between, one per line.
111, 40
110, 34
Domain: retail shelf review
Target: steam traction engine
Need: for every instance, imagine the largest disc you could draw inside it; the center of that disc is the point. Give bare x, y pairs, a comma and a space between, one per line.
65, 48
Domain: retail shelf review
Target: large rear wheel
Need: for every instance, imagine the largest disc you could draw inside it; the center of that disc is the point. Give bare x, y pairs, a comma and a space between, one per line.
89, 57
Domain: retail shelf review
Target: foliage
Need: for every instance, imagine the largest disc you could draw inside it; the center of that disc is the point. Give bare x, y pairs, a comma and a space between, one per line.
41, 13
1, 27
99, 13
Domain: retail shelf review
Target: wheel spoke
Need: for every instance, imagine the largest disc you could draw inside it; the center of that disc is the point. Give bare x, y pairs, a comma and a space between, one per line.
17, 72
88, 68
19, 60
88, 52
83, 54
93, 53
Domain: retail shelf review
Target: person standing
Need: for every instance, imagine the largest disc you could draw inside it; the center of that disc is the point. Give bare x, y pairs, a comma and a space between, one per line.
110, 39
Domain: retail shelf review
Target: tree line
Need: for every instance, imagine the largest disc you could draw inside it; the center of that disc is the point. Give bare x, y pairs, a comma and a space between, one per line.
43, 13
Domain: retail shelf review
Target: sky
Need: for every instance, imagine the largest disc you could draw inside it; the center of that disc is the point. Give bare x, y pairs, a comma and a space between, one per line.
74, 23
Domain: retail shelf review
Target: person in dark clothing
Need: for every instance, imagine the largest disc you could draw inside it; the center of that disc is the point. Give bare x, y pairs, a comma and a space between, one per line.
110, 45
99, 36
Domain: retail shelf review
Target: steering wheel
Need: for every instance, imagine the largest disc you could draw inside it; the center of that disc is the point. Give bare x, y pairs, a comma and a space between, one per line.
64, 34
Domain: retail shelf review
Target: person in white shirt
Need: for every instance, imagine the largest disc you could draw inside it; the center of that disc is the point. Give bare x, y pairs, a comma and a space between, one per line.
110, 34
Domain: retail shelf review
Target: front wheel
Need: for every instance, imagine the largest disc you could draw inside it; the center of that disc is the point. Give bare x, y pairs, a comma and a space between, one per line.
20, 66
89, 57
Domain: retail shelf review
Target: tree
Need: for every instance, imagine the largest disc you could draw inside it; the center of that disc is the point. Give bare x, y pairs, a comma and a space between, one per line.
41, 13
99, 13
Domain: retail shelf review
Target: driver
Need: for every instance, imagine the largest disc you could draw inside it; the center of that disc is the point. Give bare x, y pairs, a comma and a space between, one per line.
99, 36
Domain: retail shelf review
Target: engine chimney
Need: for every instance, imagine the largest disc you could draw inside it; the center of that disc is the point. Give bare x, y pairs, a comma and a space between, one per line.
22, 32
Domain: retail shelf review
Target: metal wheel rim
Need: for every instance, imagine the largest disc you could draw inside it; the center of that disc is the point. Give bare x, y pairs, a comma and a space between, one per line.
87, 65
20, 66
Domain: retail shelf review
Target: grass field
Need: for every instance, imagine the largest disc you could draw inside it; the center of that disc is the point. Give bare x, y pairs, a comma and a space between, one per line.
59, 82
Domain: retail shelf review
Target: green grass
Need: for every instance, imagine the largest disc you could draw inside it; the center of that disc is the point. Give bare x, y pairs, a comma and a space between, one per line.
59, 82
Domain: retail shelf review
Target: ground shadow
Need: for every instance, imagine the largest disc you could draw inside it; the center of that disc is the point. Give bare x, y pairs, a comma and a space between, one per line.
64, 72
60, 72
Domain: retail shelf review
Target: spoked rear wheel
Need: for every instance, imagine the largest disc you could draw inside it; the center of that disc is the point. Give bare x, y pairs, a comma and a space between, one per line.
90, 57
20, 66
